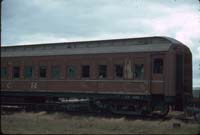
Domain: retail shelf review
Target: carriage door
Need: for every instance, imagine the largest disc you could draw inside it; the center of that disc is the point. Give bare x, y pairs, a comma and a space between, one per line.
157, 74
179, 81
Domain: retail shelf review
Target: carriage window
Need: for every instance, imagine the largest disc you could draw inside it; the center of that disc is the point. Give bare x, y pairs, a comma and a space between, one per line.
139, 71
28, 72
3, 72
55, 72
158, 66
16, 72
119, 71
102, 71
71, 72
43, 72
85, 71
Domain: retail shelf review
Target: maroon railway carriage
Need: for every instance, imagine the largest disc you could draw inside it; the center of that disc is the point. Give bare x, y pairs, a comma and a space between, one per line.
146, 74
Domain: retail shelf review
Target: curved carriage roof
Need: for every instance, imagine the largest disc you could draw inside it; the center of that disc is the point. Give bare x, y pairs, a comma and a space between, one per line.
145, 44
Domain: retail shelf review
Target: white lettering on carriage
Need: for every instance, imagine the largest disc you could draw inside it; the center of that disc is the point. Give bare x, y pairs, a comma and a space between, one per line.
33, 85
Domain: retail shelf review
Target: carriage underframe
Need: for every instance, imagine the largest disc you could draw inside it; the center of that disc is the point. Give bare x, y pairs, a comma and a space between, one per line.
126, 104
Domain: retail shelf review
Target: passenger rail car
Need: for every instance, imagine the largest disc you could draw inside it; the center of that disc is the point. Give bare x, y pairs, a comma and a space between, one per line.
143, 75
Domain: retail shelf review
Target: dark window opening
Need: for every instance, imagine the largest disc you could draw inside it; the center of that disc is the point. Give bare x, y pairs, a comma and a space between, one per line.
85, 71
55, 72
158, 66
119, 71
28, 72
43, 72
3, 72
71, 72
16, 72
139, 71
102, 71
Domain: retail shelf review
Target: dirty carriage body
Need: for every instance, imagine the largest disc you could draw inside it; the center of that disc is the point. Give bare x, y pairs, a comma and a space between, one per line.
135, 75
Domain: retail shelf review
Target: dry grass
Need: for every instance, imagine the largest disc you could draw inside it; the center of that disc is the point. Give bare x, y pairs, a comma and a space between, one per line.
62, 123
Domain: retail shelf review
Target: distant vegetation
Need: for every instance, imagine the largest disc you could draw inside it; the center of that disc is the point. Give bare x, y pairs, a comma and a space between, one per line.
196, 88
196, 92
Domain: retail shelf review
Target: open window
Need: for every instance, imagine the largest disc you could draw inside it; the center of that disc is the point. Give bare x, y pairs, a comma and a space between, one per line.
139, 71
102, 71
119, 69
158, 66
85, 71
16, 72
43, 71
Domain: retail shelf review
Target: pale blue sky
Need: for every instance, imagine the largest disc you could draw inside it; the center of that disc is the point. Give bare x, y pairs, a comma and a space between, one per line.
43, 21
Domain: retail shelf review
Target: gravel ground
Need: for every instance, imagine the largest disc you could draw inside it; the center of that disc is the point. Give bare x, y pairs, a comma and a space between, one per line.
65, 123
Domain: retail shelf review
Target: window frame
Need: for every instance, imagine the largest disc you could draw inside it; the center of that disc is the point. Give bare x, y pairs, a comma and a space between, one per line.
55, 75
18, 72
70, 75
141, 73
99, 71
87, 74
115, 71
32, 72
5, 73
42, 66
158, 69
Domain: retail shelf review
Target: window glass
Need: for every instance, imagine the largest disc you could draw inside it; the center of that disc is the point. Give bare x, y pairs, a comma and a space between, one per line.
119, 71
85, 71
102, 71
139, 71
28, 72
71, 72
55, 72
3, 72
16, 72
43, 72
158, 66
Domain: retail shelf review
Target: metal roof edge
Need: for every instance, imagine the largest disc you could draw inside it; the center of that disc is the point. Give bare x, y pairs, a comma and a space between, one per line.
169, 39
